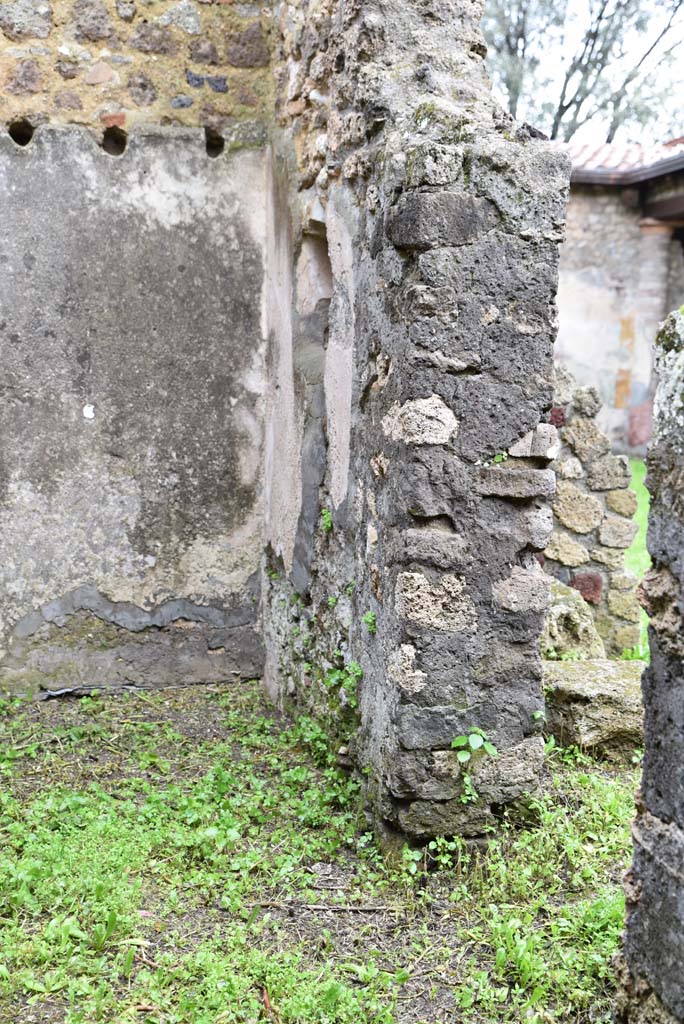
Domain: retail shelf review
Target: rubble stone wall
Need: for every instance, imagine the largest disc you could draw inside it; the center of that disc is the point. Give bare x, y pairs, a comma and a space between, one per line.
121, 63
593, 516
412, 614
653, 984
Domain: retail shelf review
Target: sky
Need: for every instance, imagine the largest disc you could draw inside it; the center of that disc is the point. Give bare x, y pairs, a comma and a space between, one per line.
559, 46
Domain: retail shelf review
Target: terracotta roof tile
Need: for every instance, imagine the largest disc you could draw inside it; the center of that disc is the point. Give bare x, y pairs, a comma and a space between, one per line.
621, 156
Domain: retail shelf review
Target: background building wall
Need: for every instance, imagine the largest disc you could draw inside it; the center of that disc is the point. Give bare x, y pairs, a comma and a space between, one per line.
617, 272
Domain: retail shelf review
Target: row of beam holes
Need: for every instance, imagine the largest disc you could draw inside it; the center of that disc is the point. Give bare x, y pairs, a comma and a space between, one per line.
114, 140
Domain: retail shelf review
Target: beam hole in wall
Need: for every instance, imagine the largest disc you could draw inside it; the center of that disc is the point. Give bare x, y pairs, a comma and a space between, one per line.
21, 132
114, 141
214, 142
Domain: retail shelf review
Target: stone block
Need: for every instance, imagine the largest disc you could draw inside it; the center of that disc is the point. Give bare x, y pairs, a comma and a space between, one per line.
564, 385
525, 590
151, 38
510, 482
440, 548
569, 627
576, 510
624, 604
617, 532
589, 585
22, 19
654, 939
625, 637
442, 605
623, 501
425, 220
535, 527
91, 20
184, 15
609, 472
623, 581
24, 78
425, 818
595, 705
567, 551
587, 402
613, 558
421, 421
248, 49
569, 468
540, 443
434, 728
403, 672
585, 438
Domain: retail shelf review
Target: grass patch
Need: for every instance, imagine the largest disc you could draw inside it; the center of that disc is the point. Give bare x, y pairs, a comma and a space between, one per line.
190, 857
637, 558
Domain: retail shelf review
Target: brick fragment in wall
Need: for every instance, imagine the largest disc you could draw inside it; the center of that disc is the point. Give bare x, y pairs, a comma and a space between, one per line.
589, 585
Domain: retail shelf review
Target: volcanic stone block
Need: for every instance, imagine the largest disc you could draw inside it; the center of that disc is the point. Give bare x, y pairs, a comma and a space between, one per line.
624, 502
424, 220
515, 483
576, 510
617, 532
566, 550
569, 628
588, 441
609, 472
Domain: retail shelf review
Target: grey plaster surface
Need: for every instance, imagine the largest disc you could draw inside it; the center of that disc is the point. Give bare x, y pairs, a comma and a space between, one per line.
132, 379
